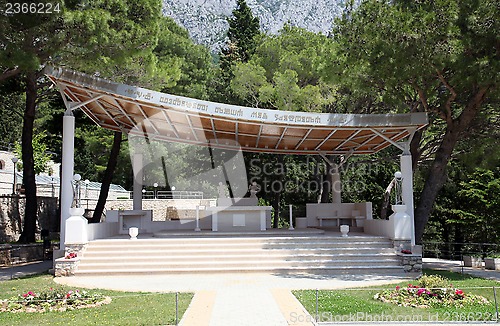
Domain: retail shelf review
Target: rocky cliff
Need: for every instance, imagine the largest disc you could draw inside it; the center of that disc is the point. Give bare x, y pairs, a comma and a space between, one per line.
206, 19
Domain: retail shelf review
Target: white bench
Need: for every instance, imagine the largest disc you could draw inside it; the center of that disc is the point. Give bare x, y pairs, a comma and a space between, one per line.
354, 218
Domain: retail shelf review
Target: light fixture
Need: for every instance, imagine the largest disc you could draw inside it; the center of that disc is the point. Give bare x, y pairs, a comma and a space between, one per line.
14, 185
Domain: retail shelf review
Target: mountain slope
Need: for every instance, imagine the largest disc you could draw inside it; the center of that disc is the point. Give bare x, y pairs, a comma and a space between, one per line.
206, 19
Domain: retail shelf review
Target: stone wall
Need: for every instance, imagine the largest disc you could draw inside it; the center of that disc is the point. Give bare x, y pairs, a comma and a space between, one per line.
12, 216
164, 209
21, 253
411, 263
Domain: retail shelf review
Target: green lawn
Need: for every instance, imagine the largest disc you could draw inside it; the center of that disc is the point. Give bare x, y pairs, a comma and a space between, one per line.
358, 304
127, 308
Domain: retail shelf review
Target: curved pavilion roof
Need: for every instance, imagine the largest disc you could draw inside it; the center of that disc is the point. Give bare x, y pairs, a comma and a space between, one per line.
166, 117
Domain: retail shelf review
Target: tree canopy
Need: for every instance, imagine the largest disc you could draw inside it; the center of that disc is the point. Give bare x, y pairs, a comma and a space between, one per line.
435, 56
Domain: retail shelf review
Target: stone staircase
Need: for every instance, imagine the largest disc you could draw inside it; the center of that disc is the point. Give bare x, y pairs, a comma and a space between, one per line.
315, 253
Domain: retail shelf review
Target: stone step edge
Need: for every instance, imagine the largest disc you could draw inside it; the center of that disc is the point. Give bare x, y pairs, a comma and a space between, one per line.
241, 262
237, 269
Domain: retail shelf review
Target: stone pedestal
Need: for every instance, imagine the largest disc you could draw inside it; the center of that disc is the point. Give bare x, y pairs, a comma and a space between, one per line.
76, 227
402, 223
411, 263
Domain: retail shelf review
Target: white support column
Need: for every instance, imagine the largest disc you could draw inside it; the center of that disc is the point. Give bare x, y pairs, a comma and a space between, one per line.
407, 190
68, 164
215, 222
336, 187
138, 180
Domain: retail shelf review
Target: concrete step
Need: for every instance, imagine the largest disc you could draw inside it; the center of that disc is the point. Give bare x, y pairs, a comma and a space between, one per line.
236, 251
247, 263
213, 240
243, 254
254, 256
242, 245
379, 270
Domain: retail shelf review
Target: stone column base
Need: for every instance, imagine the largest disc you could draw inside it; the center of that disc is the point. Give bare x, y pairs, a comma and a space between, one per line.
66, 266
411, 263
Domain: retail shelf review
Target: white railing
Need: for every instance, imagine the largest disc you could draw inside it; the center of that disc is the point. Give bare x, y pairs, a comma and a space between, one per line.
175, 194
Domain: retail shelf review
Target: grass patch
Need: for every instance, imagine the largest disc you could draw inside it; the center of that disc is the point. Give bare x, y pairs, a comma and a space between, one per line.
127, 308
359, 304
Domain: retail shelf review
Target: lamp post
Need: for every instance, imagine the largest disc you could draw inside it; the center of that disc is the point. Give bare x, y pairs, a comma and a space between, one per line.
14, 185
155, 185
87, 183
143, 193
172, 191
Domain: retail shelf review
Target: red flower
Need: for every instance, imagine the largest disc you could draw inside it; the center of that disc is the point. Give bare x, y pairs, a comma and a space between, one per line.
398, 287
459, 292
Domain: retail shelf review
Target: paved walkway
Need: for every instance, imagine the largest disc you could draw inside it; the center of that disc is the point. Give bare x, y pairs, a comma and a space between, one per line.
457, 267
23, 270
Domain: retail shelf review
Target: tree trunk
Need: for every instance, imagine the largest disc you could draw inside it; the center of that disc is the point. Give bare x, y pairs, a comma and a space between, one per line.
434, 182
108, 177
30, 214
328, 179
437, 173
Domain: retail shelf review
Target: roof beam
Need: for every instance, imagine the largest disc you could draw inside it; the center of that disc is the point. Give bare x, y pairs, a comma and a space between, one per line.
281, 137
348, 139
213, 130
174, 129
325, 140
146, 118
388, 139
258, 136
192, 128
303, 139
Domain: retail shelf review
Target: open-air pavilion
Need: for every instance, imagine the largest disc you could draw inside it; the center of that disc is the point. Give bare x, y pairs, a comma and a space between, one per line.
163, 117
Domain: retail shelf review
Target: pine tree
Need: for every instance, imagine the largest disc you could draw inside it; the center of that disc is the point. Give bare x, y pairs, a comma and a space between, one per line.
243, 29
240, 45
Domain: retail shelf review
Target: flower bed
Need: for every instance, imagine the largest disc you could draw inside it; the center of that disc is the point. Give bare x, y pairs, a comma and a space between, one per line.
53, 300
432, 291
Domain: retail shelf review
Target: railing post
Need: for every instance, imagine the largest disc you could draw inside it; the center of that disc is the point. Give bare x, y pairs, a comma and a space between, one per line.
176, 308
496, 302
317, 306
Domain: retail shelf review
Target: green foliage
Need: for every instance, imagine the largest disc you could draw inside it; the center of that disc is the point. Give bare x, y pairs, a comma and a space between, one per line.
440, 57
190, 64
285, 73
243, 29
11, 112
366, 178
115, 38
433, 281
468, 206
41, 156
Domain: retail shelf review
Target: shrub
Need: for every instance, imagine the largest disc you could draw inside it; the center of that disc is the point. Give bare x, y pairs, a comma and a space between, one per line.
432, 291
433, 282
53, 299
